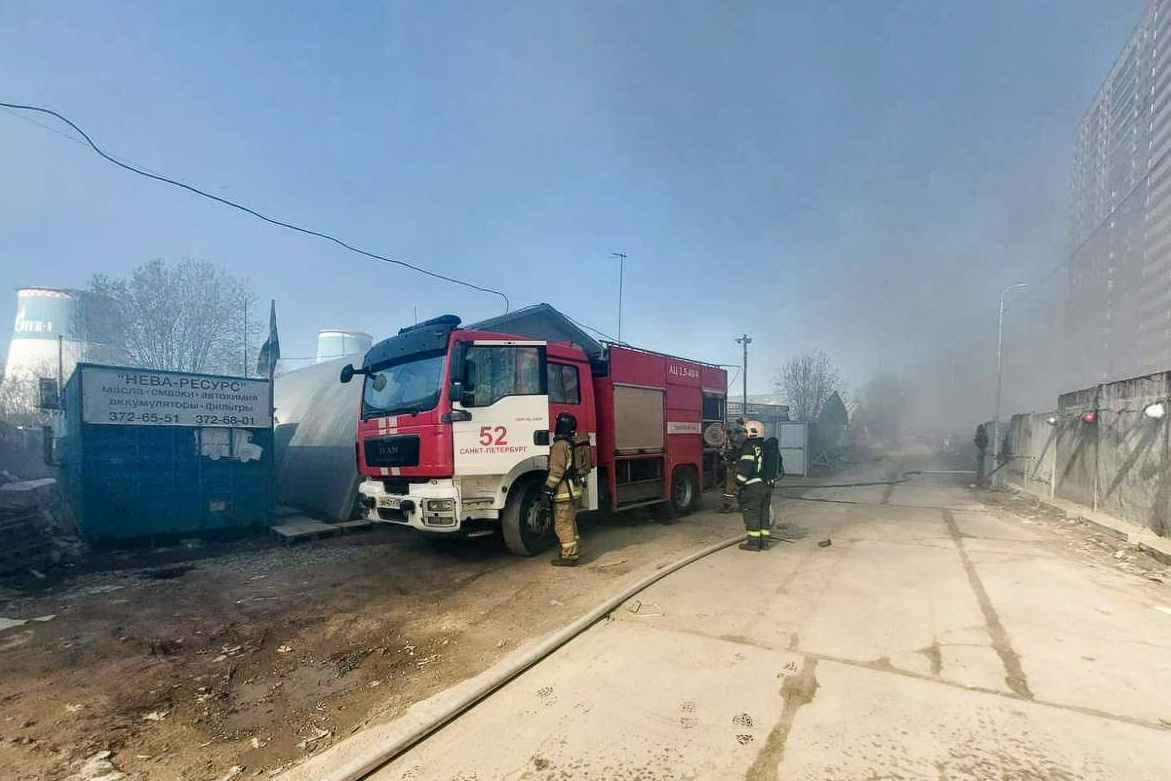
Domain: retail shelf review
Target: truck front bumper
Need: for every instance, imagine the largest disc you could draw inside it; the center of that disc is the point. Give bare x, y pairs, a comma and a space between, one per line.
433, 506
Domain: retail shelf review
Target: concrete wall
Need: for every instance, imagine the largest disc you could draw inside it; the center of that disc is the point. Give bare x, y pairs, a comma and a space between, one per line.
1033, 443
1118, 464
1132, 452
1076, 460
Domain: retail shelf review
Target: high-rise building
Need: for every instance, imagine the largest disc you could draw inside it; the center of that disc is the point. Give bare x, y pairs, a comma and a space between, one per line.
1119, 307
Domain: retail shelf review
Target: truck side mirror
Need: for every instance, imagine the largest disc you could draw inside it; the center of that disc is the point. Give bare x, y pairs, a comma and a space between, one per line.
463, 374
459, 354
462, 395
347, 373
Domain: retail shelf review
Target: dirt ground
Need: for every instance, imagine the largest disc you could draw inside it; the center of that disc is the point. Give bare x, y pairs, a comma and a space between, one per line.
236, 660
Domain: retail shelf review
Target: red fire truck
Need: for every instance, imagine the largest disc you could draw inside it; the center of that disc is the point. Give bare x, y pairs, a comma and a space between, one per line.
454, 428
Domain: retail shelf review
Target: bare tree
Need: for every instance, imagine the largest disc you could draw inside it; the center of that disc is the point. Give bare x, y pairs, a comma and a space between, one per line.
20, 395
185, 317
807, 381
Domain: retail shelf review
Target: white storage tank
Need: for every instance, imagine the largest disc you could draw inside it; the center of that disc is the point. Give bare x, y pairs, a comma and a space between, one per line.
334, 343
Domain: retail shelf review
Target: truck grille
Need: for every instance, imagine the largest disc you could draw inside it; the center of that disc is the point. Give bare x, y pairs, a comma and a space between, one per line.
400, 486
392, 451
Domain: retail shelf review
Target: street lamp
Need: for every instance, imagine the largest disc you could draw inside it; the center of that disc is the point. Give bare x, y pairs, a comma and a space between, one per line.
999, 365
621, 256
744, 340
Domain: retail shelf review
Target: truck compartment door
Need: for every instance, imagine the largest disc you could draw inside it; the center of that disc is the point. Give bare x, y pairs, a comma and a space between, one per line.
638, 419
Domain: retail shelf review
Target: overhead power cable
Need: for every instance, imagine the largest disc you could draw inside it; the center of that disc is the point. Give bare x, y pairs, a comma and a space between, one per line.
66, 136
253, 212
602, 334
43, 126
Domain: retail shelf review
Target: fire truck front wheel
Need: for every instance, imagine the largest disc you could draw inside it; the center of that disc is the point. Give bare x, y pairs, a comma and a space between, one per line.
527, 528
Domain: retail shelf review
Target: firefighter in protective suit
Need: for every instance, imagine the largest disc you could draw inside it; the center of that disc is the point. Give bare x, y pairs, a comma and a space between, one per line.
563, 489
756, 489
735, 441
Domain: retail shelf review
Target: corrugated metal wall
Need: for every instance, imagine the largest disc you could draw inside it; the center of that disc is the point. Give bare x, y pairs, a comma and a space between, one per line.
156, 480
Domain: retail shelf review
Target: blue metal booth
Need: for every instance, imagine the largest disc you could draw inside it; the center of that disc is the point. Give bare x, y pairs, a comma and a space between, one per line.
144, 453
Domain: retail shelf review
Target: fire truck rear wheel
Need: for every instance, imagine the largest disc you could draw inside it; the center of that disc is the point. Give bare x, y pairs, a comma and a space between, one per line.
527, 529
684, 493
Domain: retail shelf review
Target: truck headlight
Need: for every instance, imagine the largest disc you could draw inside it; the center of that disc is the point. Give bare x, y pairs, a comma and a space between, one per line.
440, 505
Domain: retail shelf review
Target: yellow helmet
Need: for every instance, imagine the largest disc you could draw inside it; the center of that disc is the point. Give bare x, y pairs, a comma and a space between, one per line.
754, 428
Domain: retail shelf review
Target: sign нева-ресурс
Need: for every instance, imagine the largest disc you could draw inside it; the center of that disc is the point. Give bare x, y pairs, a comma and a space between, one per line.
141, 397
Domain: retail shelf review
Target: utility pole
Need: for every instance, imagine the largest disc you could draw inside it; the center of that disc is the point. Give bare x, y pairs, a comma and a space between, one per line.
245, 336
744, 340
999, 367
621, 273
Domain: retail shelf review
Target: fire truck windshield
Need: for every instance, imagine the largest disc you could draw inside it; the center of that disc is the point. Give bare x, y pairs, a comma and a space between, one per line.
411, 386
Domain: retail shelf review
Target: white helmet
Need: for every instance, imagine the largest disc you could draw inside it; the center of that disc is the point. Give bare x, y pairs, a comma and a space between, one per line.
754, 428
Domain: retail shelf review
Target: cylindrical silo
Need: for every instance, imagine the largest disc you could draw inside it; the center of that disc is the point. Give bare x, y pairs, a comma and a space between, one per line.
48, 331
333, 343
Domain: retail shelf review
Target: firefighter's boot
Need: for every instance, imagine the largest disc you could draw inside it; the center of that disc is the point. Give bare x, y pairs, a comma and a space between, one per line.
766, 539
752, 543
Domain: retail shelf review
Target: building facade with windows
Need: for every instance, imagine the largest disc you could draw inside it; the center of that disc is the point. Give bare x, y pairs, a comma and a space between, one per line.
1118, 310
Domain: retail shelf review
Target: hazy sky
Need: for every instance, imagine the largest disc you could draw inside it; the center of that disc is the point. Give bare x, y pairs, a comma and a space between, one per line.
851, 176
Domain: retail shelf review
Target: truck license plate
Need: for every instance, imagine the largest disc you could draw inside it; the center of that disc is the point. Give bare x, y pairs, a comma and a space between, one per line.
389, 502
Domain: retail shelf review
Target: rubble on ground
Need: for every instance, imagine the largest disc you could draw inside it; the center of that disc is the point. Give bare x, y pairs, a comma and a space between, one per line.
36, 532
99, 768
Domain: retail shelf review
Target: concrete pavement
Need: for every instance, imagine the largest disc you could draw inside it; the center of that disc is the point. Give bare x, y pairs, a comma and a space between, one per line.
934, 639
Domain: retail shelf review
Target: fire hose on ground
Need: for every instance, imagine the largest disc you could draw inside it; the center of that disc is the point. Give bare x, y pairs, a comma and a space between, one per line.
362, 766
906, 478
